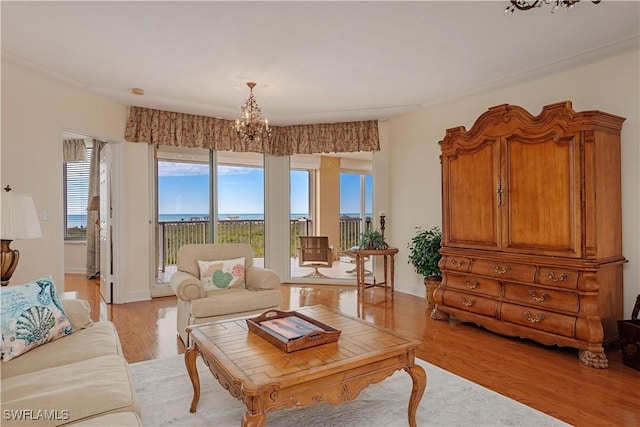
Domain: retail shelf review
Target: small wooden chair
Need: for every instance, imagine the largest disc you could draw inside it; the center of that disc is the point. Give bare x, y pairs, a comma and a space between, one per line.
315, 252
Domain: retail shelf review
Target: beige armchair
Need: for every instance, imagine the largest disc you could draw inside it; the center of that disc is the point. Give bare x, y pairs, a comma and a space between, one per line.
196, 305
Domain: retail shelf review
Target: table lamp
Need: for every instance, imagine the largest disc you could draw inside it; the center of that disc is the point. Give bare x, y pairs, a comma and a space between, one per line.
19, 220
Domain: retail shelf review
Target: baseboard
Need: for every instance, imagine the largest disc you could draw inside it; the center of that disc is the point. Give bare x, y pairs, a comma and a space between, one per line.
75, 270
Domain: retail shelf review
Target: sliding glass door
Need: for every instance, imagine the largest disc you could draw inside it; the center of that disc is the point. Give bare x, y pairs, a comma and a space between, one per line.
330, 196
203, 197
183, 188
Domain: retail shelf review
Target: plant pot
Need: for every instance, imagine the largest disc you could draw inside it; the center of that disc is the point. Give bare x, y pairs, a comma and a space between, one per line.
431, 283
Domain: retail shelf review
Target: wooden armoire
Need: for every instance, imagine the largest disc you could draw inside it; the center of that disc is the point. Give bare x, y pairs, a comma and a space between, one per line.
532, 226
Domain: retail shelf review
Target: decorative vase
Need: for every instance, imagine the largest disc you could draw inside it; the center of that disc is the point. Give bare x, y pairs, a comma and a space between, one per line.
431, 283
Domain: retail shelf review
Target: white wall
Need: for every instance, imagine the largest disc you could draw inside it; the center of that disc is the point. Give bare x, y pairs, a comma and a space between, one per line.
35, 110
611, 85
75, 257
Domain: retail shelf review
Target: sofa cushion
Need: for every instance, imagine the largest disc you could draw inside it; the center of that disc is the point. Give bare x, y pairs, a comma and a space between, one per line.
101, 339
31, 315
232, 301
71, 392
79, 313
222, 274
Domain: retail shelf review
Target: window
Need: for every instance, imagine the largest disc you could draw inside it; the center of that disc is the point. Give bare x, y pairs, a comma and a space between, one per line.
76, 193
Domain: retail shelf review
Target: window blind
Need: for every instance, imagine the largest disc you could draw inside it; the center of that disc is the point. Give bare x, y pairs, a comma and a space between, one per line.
76, 180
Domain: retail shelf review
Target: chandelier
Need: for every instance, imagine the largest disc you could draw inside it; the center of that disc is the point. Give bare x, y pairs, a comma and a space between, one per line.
252, 127
556, 4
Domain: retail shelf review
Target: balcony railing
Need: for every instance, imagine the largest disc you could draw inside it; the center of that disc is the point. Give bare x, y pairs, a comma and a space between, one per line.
173, 234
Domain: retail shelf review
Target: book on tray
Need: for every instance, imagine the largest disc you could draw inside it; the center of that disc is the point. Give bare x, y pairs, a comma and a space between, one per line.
290, 327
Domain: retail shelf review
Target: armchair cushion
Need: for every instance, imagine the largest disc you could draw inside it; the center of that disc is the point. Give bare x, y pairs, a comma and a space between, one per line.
232, 301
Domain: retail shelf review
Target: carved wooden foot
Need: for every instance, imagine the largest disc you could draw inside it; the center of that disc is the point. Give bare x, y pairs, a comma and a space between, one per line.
592, 359
439, 315
254, 420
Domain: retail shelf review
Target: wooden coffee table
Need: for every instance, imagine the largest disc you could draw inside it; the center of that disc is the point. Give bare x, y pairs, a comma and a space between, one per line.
266, 378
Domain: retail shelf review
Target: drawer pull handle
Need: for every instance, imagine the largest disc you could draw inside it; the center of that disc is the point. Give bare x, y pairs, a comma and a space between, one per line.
500, 193
564, 276
532, 319
464, 302
540, 298
456, 263
500, 270
471, 285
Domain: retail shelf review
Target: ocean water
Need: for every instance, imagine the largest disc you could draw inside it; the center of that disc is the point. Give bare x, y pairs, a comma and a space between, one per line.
221, 217
76, 221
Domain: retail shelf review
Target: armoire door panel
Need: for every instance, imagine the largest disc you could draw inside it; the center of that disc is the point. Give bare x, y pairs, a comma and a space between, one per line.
472, 216
542, 183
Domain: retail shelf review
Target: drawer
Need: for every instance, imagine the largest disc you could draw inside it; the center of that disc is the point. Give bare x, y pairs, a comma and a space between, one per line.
504, 270
558, 277
478, 285
547, 321
471, 303
542, 298
454, 263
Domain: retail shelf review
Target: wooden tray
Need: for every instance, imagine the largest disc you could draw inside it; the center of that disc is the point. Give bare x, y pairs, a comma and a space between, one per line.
292, 331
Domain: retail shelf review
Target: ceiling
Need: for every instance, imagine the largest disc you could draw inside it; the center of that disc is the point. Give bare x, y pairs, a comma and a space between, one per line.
313, 61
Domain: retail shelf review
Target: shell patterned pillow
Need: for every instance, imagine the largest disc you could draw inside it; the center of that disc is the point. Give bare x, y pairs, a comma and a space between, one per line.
222, 274
31, 315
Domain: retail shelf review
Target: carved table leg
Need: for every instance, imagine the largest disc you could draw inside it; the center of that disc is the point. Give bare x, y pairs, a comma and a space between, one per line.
254, 420
190, 361
594, 359
419, 377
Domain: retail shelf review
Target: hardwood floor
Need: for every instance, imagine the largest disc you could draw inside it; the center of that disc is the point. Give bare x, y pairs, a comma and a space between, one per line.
549, 379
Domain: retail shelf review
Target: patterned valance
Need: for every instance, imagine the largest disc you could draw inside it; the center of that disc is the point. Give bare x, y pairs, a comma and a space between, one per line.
187, 130
74, 150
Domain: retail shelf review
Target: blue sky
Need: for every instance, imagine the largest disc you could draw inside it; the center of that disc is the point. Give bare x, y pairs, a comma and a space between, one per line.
183, 188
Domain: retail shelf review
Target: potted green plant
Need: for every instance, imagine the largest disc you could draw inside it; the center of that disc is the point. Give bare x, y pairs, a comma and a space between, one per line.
424, 254
372, 239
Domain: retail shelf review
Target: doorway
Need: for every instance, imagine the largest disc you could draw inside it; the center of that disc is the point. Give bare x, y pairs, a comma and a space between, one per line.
87, 209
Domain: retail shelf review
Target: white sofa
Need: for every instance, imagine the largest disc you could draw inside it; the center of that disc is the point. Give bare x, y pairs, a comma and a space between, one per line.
197, 306
81, 379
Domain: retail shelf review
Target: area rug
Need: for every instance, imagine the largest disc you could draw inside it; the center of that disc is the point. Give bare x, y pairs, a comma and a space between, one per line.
165, 392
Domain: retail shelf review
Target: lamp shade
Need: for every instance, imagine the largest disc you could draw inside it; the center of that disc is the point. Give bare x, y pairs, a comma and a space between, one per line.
19, 217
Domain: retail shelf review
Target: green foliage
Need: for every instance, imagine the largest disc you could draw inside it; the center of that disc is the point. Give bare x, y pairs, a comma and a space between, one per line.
424, 251
372, 239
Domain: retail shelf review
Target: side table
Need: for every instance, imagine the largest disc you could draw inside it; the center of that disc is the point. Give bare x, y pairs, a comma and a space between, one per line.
387, 283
